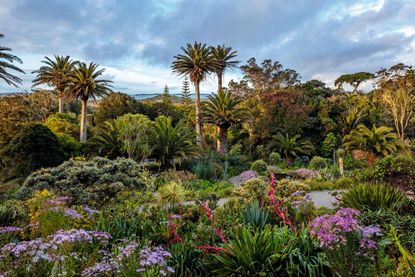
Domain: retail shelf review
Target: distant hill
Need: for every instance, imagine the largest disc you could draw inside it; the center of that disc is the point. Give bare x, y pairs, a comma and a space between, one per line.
158, 98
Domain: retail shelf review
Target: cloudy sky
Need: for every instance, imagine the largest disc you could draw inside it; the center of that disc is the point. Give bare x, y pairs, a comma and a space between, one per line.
135, 40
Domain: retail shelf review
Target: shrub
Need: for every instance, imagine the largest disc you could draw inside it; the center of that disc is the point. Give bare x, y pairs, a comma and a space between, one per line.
179, 176
12, 212
94, 181
286, 188
374, 197
33, 147
259, 166
318, 163
275, 158
253, 190
63, 123
395, 170
328, 146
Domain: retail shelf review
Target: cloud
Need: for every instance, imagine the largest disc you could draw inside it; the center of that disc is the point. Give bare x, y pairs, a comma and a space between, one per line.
137, 39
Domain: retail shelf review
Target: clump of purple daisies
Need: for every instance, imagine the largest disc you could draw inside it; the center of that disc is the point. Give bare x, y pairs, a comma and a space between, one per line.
334, 231
248, 175
155, 257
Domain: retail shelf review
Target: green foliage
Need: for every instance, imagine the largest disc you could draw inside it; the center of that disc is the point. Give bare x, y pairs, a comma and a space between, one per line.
94, 182
185, 97
329, 145
380, 141
34, 147
70, 146
107, 140
171, 144
116, 104
8, 63
166, 97
318, 163
172, 194
374, 197
353, 79
12, 212
259, 166
291, 146
262, 252
274, 158
253, 190
63, 123
398, 171
255, 216
18, 110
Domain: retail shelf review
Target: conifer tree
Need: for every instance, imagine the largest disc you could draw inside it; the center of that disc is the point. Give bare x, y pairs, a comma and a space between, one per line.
165, 97
186, 99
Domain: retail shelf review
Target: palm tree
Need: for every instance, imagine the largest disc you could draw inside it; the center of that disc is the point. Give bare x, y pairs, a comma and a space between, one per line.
291, 146
376, 142
55, 73
107, 139
83, 83
171, 144
223, 58
6, 63
195, 62
223, 110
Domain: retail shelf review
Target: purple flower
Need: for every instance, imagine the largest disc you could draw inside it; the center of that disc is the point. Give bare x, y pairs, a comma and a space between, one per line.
248, 175
9, 229
72, 213
89, 210
370, 231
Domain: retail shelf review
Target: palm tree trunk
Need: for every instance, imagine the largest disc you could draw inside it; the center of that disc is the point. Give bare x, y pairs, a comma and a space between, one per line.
220, 79
222, 141
83, 134
341, 166
198, 127
60, 101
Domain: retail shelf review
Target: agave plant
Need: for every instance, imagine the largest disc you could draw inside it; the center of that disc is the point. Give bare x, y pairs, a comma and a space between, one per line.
374, 197
255, 216
263, 252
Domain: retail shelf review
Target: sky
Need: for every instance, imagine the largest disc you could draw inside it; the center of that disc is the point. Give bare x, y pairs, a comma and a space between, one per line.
136, 40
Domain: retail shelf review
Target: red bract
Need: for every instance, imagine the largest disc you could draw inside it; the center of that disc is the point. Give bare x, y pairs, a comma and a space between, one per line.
276, 204
172, 228
210, 249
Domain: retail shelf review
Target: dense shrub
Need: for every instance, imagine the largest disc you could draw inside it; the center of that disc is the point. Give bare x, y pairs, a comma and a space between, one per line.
329, 145
374, 197
259, 166
12, 212
94, 181
64, 123
274, 158
317, 163
33, 147
395, 170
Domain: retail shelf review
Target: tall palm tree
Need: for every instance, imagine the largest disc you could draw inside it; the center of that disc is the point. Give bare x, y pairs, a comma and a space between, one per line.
291, 146
171, 144
223, 110
55, 73
376, 142
83, 84
195, 62
223, 58
6, 63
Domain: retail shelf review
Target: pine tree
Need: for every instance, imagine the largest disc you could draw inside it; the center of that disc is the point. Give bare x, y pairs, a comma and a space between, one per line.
165, 97
186, 99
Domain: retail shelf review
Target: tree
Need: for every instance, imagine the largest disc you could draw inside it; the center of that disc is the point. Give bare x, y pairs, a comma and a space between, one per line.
116, 104
83, 84
55, 74
171, 144
63, 123
223, 110
6, 63
186, 98
268, 76
223, 58
18, 110
107, 140
291, 146
33, 147
133, 133
166, 97
397, 88
354, 80
195, 62
376, 142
